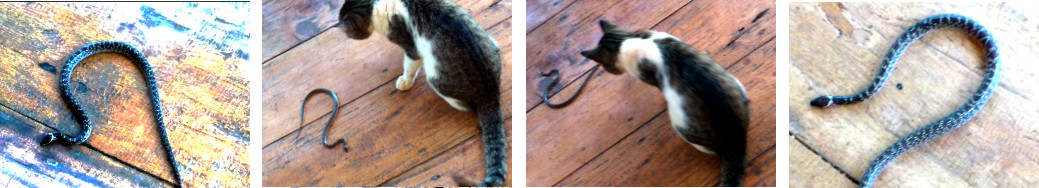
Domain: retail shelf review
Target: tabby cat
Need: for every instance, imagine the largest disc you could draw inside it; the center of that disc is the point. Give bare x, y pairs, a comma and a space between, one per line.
462, 63
707, 105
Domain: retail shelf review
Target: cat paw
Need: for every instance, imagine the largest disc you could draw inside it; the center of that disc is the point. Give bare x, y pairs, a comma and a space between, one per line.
403, 83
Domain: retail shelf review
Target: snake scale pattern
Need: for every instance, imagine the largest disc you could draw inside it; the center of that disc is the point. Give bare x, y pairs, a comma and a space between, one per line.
77, 109
941, 126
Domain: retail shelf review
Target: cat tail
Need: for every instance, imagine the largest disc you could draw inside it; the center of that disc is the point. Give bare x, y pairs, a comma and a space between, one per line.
492, 125
732, 168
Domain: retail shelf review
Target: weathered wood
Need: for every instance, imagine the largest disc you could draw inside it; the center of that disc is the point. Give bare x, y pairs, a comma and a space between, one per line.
538, 11
810, 170
391, 133
938, 74
290, 23
653, 155
24, 163
552, 150
464, 161
198, 64
287, 23
346, 66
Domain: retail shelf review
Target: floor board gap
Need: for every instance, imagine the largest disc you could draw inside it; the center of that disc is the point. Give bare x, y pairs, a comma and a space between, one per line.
846, 175
608, 148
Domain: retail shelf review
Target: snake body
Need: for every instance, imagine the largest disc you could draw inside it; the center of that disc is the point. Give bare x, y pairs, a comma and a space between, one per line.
555, 80
941, 126
335, 112
77, 109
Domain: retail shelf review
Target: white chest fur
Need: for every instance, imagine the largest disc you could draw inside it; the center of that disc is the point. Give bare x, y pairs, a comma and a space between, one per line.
429, 62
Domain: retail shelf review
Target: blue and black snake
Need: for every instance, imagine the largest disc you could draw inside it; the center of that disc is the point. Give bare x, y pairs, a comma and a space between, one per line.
941, 126
77, 109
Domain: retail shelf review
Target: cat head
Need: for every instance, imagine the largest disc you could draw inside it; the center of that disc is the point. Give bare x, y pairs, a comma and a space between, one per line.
355, 18
607, 51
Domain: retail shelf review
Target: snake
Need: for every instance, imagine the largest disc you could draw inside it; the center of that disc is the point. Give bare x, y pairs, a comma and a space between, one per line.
77, 109
941, 126
335, 112
555, 80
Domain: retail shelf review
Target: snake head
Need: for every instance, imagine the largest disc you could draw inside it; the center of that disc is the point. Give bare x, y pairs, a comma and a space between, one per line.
53, 137
823, 101
47, 139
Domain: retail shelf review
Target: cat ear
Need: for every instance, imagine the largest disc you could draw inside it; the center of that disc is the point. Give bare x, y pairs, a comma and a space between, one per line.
591, 54
606, 24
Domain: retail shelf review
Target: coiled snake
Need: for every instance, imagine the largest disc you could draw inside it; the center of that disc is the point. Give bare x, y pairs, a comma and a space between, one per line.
77, 109
941, 126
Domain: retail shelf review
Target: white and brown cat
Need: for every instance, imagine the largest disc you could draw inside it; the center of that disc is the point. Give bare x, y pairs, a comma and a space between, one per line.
462, 62
707, 105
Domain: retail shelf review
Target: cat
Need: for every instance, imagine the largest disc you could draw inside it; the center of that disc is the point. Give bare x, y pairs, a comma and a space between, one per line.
707, 105
462, 62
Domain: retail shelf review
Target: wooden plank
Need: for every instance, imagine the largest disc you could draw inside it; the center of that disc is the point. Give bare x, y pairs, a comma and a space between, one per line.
654, 155
331, 59
556, 45
810, 170
539, 11
463, 161
938, 74
198, 64
290, 23
378, 153
287, 23
549, 160
554, 151
413, 126
24, 163
651, 156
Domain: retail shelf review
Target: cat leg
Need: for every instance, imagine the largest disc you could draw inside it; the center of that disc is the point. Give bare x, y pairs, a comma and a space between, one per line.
407, 78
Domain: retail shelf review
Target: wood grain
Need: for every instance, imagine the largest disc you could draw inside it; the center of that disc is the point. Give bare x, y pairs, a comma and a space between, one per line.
287, 23
397, 138
938, 74
457, 162
807, 168
393, 145
553, 154
538, 11
198, 65
346, 66
25, 164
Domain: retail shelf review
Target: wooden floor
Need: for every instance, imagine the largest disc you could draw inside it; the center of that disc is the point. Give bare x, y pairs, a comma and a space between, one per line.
198, 64
616, 133
836, 48
396, 138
